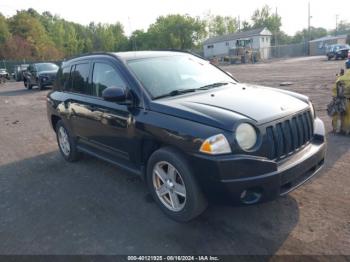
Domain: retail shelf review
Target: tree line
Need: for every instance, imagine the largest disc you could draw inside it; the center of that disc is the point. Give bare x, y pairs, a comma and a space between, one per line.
33, 36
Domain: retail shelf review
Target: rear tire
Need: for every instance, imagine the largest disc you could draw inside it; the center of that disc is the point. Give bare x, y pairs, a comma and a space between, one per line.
66, 143
177, 185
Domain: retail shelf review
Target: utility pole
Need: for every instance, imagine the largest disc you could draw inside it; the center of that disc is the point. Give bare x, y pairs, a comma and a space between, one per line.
309, 28
336, 24
239, 24
276, 40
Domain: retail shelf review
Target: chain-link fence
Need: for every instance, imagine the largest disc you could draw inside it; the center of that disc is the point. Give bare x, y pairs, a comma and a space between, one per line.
281, 51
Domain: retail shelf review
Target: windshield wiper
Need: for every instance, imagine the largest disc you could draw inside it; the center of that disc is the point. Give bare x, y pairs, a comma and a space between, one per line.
177, 92
184, 91
213, 85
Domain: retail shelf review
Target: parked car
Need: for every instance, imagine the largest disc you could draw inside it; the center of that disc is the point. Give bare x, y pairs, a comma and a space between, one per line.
192, 131
347, 63
338, 51
40, 74
4, 74
18, 71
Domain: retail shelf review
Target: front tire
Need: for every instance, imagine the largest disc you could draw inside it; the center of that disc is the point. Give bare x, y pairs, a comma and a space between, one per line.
40, 85
66, 143
173, 185
28, 85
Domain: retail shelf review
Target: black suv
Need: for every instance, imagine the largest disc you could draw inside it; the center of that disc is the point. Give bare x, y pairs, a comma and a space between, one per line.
191, 130
40, 74
338, 51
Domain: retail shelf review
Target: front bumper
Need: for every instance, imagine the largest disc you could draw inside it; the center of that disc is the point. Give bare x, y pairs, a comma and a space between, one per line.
248, 179
46, 80
347, 64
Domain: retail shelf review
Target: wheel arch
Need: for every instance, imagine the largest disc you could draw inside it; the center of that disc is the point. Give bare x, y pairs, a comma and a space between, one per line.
54, 121
150, 147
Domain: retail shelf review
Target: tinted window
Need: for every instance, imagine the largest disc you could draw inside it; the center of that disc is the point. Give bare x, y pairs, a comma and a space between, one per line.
64, 75
105, 76
80, 77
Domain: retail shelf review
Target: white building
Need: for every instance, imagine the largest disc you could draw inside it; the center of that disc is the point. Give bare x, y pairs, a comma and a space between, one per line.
258, 39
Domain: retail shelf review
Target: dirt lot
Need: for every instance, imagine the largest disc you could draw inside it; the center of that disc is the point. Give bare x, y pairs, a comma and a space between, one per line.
48, 206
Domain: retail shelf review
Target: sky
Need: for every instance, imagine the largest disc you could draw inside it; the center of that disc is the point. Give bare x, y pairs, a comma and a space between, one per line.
139, 14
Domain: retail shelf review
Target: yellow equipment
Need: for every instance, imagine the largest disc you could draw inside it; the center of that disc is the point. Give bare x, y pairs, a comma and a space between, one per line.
341, 90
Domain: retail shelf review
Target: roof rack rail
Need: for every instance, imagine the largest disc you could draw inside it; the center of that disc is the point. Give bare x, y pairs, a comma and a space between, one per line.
87, 54
182, 51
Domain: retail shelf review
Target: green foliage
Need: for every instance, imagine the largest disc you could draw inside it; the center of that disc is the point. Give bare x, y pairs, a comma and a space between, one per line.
47, 37
343, 29
169, 32
246, 26
4, 30
303, 35
32, 36
264, 18
176, 32
221, 25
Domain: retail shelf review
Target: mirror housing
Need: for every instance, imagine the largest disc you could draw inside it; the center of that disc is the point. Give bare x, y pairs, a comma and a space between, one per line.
116, 94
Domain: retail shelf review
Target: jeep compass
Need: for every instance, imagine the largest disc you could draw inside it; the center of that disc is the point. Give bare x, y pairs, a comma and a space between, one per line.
190, 130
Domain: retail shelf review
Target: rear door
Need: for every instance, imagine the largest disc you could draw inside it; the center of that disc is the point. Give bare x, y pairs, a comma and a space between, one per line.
79, 92
106, 127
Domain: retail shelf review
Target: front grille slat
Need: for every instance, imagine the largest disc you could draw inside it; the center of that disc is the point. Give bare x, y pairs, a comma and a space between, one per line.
288, 136
271, 142
295, 133
280, 139
305, 133
310, 123
300, 130
307, 124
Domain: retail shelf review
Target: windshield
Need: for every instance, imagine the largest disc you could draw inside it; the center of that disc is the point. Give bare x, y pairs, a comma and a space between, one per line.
163, 75
47, 67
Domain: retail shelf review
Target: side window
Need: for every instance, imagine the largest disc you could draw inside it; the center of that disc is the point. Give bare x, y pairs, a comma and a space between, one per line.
80, 77
65, 75
104, 76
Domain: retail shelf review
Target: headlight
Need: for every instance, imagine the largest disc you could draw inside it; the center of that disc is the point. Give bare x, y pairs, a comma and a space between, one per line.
246, 136
216, 145
312, 109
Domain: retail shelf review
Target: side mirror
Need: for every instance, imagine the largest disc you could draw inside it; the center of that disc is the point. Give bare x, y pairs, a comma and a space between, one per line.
115, 94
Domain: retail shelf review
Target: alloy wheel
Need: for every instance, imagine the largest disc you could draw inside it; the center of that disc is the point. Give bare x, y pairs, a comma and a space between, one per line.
63, 140
169, 186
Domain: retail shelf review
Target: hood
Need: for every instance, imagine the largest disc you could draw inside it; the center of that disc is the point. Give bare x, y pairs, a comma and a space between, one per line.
51, 72
223, 106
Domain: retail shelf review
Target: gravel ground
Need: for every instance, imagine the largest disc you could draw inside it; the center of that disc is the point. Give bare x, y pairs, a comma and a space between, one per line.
49, 206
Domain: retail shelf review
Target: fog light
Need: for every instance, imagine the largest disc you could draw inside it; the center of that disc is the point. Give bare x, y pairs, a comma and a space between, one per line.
251, 196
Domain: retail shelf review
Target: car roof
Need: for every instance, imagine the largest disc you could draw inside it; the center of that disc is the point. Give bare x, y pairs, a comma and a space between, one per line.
128, 56
42, 63
132, 55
